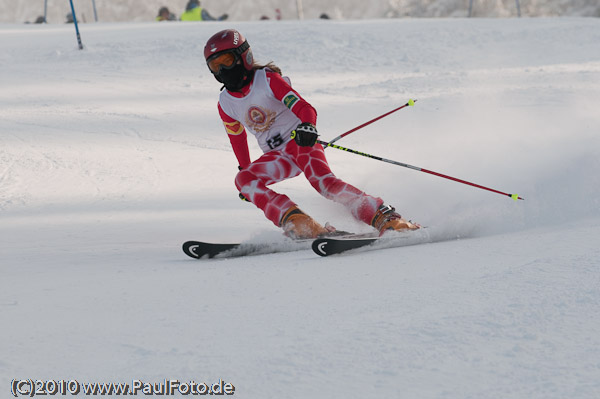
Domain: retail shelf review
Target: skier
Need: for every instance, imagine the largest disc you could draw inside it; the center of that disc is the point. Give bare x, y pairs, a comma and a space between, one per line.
258, 98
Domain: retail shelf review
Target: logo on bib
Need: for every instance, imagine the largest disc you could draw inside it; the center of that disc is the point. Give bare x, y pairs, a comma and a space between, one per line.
258, 119
256, 115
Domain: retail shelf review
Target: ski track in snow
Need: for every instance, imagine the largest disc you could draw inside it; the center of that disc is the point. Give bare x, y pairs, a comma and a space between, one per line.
113, 156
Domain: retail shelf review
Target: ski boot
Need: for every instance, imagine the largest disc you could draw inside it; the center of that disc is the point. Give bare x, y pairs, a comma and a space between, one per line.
298, 225
387, 219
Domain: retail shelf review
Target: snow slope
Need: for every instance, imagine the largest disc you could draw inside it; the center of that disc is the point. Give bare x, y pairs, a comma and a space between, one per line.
113, 156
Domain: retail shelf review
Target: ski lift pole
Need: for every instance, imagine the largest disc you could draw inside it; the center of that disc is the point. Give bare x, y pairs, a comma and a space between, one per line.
76, 27
405, 165
410, 103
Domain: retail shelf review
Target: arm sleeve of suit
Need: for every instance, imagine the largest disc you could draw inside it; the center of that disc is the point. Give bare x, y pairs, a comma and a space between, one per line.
237, 137
284, 92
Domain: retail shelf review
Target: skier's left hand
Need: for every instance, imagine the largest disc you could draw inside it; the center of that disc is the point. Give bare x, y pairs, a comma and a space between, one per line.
305, 134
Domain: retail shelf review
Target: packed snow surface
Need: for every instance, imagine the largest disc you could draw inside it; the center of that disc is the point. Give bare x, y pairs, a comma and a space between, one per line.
113, 156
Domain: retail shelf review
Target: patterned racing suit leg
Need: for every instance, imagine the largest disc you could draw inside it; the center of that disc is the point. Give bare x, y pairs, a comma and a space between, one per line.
278, 165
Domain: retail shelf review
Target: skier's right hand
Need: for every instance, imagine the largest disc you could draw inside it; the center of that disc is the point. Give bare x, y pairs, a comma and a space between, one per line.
305, 135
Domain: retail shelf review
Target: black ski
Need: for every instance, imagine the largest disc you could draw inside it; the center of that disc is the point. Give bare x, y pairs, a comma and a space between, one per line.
198, 249
202, 250
321, 246
332, 246
336, 245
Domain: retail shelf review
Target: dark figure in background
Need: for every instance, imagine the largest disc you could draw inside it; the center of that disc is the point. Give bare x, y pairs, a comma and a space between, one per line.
39, 20
165, 15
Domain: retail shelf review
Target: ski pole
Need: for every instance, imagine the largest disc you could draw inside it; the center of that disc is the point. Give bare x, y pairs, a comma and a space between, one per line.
410, 103
326, 144
76, 27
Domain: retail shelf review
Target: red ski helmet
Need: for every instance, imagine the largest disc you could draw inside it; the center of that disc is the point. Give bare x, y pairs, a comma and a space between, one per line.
229, 40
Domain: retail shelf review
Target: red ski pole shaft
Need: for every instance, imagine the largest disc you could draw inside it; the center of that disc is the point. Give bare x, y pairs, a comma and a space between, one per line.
409, 103
405, 165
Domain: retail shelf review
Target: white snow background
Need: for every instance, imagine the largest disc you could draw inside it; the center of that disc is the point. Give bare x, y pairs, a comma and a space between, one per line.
112, 156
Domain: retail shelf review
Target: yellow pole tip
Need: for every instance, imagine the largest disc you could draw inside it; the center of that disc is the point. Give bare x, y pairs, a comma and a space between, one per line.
514, 196
411, 103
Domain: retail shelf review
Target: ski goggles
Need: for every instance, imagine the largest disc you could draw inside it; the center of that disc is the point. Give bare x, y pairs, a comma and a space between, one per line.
221, 61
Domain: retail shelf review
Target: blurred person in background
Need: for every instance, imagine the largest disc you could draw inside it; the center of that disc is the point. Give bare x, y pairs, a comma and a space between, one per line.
165, 15
39, 20
193, 12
